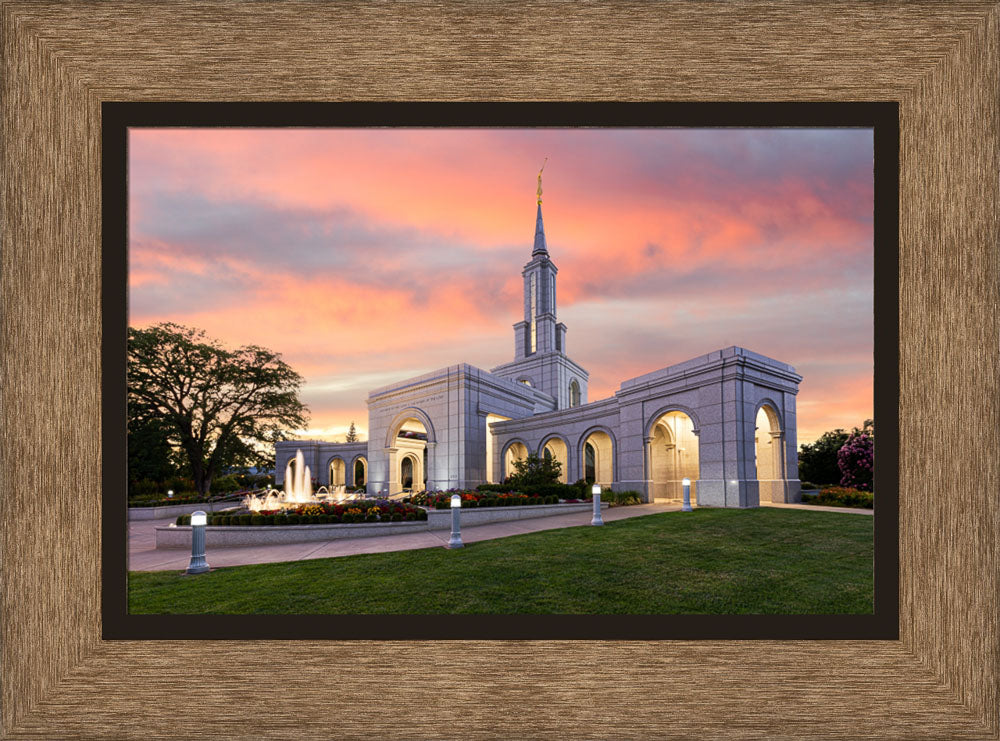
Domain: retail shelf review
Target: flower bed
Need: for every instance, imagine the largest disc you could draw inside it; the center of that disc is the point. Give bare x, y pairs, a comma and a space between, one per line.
840, 496
323, 513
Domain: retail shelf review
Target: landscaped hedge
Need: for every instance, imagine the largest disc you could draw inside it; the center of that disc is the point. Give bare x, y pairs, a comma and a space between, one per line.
840, 496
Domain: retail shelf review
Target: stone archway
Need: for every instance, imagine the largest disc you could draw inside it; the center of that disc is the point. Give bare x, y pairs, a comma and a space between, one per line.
597, 457
555, 447
673, 456
514, 451
768, 454
336, 472
360, 471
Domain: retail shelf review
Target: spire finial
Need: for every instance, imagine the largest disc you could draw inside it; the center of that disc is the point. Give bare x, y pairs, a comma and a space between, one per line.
540, 181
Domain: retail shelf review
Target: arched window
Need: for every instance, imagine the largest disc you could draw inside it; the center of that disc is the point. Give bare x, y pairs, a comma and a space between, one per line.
525, 381
589, 463
574, 393
359, 472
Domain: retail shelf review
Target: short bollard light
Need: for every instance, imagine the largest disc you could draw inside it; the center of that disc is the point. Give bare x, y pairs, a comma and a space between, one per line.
170, 493
596, 491
686, 483
456, 528
198, 563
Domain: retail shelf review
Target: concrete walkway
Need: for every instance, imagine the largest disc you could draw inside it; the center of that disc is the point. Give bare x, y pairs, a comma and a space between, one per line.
143, 555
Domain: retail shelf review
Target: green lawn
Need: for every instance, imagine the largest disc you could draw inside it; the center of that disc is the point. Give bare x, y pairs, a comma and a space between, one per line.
708, 561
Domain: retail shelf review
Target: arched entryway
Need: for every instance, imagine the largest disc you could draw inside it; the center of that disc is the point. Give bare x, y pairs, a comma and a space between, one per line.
410, 436
337, 472
673, 456
768, 456
555, 447
516, 451
360, 471
597, 458
410, 473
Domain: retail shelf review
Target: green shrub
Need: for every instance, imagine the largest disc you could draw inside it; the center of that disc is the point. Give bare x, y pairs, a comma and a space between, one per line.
494, 488
807, 485
256, 519
225, 484
268, 519
839, 496
371, 518
422, 514
183, 520
213, 520
623, 497
292, 519
410, 516
396, 517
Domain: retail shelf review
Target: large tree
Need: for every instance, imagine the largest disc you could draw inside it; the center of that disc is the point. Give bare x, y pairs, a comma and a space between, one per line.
221, 407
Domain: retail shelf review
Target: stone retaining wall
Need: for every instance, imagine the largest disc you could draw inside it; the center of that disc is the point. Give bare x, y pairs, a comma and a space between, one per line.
218, 536
172, 510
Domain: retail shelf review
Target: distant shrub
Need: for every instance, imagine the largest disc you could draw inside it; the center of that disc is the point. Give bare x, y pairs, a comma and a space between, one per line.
496, 488
225, 483
805, 485
256, 519
396, 517
268, 519
839, 496
410, 516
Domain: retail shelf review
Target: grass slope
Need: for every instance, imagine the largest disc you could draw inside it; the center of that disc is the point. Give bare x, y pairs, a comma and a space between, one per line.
709, 561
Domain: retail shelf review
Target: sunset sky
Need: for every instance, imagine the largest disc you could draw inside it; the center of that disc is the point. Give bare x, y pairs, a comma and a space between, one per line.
365, 256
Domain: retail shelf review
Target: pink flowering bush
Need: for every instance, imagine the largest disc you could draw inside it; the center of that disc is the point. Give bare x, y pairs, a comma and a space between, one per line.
856, 461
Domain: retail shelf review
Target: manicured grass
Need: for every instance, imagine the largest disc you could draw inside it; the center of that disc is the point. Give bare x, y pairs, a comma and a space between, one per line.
763, 560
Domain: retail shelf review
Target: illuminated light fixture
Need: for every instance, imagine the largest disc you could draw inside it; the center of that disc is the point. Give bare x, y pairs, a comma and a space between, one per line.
198, 564
686, 483
456, 525
170, 493
596, 491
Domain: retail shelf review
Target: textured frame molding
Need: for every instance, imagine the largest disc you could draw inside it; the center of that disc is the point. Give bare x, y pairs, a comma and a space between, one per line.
941, 61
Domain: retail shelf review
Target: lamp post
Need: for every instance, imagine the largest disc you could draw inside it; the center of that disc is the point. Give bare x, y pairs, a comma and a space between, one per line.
198, 563
596, 491
686, 483
170, 493
456, 527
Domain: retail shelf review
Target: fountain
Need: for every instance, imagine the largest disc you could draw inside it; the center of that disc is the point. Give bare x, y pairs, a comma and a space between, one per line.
298, 490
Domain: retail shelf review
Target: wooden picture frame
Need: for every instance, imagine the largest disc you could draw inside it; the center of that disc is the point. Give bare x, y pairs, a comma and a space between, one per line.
939, 680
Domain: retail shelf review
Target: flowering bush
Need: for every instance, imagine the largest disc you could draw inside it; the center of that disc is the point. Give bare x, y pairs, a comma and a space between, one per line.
856, 460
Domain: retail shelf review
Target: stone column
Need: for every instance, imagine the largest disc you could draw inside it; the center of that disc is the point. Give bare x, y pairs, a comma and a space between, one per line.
392, 456
647, 454
432, 467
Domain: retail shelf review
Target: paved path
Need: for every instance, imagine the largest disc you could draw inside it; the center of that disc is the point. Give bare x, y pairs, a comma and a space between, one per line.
143, 555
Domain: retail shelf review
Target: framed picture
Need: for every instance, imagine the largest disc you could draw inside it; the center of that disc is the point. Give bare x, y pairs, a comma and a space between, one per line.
208, 207
61, 678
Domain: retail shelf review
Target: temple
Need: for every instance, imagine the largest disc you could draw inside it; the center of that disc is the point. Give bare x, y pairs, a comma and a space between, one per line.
725, 420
